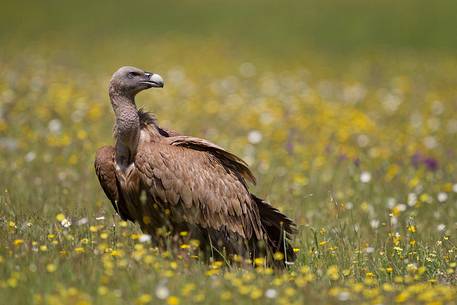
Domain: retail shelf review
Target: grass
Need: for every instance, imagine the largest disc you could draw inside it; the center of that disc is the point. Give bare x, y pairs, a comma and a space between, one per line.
364, 161
352, 133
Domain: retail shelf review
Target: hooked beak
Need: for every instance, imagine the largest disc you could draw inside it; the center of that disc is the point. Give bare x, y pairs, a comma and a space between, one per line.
153, 80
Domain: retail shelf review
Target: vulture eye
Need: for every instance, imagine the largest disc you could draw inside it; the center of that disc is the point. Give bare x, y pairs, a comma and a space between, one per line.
131, 75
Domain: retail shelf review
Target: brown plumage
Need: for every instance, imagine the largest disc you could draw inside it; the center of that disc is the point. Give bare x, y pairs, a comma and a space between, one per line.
169, 183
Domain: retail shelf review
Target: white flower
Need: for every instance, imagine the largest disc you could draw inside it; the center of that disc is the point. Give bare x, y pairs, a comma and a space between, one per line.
365, 177
100, 218
349, 205
394, 221
401, 207
144, 238
374, 223
55, 126
82, 221
441, 227
254, 137
391, 202
65, 223
162, 292
271, 293
442, 196
369, 250
430, 142
344, 296
412, 199
454, 188
363, 140
30, 156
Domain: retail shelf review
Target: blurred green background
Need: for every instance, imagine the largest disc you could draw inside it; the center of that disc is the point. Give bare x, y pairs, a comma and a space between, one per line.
275, 32
345, 111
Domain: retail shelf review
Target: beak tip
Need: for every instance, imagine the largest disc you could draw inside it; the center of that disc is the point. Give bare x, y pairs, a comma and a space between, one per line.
157, 79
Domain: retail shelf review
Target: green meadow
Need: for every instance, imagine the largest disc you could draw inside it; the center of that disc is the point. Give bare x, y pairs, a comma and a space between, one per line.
344, 110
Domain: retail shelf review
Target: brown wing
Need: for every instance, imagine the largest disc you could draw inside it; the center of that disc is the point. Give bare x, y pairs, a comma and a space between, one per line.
228, 160
198, 188
105, 170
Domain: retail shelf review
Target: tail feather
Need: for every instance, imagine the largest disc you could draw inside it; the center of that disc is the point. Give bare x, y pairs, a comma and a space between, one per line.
279, 228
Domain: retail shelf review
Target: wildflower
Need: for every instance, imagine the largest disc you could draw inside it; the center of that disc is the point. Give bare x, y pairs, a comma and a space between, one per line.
365, 177
100, 218
374, 223
411, 268
254, 137
441, 227
12, 282
51, 268
102, 290
259, 261
18, 242
82, 221
144, 238
278, 256
172, 300
442, 197
65, 223
226, 295
344, 296
143, 299
162, 292
412, 199
93, 229
271, 293
55, 126
30, 156
412, 228
256, 293
454, 188
332, 272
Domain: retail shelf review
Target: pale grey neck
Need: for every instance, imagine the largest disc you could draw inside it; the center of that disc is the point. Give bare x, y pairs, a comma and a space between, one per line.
127, 128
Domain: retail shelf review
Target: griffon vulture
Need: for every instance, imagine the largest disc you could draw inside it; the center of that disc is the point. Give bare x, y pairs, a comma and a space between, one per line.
170, 183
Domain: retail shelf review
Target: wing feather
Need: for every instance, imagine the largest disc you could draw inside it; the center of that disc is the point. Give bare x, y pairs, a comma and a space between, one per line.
191, 181
105, 170
228, 159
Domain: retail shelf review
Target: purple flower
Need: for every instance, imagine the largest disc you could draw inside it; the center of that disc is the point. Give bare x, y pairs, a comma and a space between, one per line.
431, 163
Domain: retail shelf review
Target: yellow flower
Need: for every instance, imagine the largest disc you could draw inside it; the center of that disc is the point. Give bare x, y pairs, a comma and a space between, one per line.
226, 295
144, 299
51, 268
259, 261
102, 290
93, 229
278, 256
79, 250
332, 272
172, 300
60, 217
18, 242
256, 293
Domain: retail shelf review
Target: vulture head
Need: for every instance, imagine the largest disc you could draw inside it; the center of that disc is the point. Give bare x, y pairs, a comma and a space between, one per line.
129, 81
